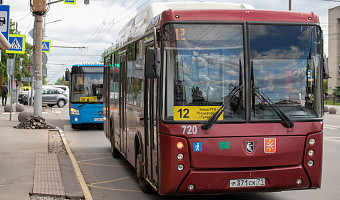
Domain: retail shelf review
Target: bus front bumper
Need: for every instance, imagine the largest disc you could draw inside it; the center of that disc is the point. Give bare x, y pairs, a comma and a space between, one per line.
77, 119
276, 179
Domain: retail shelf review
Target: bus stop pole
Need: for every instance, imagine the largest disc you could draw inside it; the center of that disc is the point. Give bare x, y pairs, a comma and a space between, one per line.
11, 87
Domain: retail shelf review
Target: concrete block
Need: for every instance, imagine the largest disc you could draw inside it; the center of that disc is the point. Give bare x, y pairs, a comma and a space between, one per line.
332, 110
19, 108
24, 115
7, 108
325, 109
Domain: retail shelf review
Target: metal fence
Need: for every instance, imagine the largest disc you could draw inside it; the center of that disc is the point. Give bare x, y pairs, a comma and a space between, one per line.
332, 100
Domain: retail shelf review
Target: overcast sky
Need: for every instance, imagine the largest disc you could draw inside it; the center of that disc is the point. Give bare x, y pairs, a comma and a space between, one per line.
96, 25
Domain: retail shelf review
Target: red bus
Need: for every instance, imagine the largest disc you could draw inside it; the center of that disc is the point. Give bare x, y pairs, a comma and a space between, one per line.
217, 98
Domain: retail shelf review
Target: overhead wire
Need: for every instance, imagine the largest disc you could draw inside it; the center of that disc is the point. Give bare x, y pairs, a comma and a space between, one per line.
97, 33
121, 15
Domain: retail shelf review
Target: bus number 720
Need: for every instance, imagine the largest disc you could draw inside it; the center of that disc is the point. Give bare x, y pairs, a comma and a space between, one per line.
189, 130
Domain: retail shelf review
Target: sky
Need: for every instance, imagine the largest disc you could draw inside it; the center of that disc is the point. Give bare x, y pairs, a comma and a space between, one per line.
85, 31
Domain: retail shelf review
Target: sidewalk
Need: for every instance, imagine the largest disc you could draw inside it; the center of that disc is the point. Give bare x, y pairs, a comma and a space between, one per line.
27, 168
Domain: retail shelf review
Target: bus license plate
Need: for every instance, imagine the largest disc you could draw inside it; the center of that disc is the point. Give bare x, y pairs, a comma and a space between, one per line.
98, 119
252, 182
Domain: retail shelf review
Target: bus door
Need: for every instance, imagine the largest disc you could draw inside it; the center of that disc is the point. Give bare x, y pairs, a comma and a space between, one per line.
151, 130
122, 103
106, 96
106, 102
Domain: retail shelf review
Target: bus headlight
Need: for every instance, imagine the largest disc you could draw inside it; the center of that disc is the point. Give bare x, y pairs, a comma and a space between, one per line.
310, 163
312, 141
180, 167
311, 153
74, 111
180, 156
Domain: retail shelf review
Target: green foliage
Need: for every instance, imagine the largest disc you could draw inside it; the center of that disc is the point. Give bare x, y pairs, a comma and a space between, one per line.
61, 81
336, 91
325, 85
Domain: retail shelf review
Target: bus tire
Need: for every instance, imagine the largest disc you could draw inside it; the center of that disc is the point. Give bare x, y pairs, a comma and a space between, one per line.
115, 153
144, 185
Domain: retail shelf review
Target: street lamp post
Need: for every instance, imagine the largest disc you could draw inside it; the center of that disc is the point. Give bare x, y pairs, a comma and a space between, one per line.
39, 9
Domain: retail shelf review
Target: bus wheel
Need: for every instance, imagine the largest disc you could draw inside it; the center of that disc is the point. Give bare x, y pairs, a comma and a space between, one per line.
144, 185
114, 151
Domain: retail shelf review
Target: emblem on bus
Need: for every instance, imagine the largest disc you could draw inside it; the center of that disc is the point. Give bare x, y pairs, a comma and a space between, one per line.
197, 146
250, 146
269, 145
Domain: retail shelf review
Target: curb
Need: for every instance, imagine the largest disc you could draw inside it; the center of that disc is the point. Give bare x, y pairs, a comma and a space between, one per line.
83, 185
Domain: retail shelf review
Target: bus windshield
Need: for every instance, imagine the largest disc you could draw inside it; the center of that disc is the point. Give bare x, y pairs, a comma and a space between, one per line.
285, 66
204, 63
87, 87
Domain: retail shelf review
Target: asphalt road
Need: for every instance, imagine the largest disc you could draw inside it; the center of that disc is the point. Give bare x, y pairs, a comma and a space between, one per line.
110, 178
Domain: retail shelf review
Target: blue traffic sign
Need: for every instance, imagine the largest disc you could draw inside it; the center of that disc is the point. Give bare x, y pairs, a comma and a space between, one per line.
17, 43
4, 20
46, 46
69, 1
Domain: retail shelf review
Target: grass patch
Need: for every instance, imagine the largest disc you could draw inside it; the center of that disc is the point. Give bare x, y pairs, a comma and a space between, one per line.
330, 103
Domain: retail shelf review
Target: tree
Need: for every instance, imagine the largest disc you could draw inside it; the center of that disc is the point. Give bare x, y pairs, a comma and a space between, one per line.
336, 91
325, 86
61, 81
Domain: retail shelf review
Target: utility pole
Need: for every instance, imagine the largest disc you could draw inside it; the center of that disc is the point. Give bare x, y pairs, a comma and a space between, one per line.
290, 5
39, 9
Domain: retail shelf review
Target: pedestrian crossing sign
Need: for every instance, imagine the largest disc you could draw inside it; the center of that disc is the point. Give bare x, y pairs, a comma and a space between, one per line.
69, 1
17, 43
46, 46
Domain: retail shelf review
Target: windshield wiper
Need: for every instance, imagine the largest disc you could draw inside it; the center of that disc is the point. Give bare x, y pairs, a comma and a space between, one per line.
285, 119
87, 102
218, 113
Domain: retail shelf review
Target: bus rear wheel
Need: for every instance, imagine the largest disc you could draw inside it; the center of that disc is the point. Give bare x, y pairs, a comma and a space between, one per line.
144, 185
115, 153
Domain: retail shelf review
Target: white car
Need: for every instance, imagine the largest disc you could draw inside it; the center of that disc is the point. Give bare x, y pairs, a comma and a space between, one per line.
64, 87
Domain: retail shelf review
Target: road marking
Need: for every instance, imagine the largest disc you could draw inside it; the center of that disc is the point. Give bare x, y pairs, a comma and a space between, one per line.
83, 185
7, 113
113, 189
331, 127
103, 165
94, 159
118, 179
86, 154
332, 139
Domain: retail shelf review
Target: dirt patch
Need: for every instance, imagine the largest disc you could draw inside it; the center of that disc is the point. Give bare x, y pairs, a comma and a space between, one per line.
55, 143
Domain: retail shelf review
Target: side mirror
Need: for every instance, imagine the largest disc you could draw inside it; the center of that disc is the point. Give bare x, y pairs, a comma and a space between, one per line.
67, 75
325, 67
152, 63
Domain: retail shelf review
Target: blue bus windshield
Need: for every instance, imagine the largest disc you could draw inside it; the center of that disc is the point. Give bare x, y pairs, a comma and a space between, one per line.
87, 87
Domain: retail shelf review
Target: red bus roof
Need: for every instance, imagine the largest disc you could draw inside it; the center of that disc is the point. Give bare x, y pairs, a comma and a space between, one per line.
239, 16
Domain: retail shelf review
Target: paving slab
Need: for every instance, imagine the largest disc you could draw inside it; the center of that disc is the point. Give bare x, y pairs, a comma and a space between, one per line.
47, 176
71, 184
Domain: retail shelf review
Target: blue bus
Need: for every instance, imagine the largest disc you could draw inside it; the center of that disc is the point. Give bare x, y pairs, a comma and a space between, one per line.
86, 94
